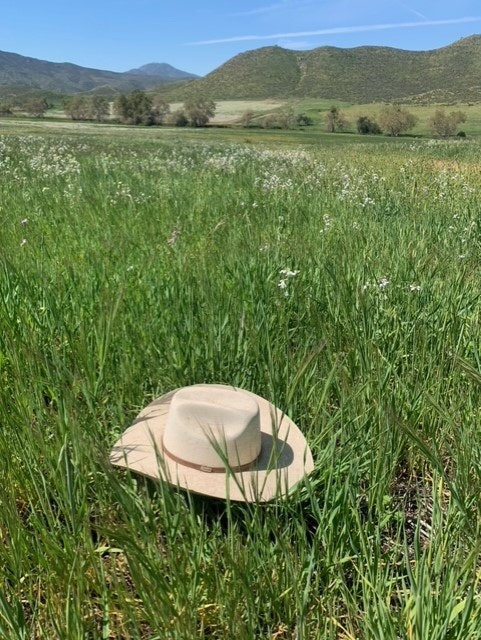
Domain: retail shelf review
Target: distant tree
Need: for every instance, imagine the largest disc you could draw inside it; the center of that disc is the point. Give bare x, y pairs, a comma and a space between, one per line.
395, 119
247, 117
99, 108
134, 108
5, 110
335, 120
270, 121
160, 109
199, 111
177, 118
365, 125
303, 120
445, 124
78, 108
36, 107
141, 108
286, 117
121, 107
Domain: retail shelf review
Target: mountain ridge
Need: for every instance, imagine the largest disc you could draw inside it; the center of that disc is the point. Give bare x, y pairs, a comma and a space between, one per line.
362, 74
66, 77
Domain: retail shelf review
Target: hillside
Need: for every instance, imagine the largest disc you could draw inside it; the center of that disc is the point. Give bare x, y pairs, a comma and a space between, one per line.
64, 77
358, 75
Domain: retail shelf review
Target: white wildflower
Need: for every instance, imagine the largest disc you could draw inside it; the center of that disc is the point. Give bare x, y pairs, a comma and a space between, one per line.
173, 237
383, 283
327, 220
367, 202
283, 287
288, 273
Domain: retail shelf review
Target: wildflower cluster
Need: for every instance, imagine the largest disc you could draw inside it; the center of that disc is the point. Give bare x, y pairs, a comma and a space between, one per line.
357, 186
384, 283
287, 275
48, 158
270, 182
327, 223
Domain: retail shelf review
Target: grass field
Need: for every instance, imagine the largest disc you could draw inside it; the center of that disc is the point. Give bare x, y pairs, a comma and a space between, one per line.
136, 261
229, 113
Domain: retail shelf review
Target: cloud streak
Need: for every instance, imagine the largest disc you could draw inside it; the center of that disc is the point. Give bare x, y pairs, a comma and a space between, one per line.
260, 10
272, 8
340, 30
411, 10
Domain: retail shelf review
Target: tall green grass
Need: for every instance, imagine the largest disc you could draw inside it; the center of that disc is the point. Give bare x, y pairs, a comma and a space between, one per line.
341, 284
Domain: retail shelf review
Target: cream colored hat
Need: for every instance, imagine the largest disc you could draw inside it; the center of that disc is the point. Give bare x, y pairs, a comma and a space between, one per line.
218, 441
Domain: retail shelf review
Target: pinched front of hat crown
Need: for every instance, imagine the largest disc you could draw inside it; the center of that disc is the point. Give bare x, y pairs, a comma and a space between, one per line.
212, 427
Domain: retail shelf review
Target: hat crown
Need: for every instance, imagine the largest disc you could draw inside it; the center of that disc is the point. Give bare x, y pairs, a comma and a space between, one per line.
213, 427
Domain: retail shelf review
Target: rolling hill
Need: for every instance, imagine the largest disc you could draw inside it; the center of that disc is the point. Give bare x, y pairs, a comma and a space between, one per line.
63, 77
358, 75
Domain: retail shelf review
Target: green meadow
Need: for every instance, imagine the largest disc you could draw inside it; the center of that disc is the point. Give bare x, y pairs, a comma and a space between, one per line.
338, 278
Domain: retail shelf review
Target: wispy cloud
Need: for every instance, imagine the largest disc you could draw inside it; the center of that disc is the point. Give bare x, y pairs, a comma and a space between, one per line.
260, 10
275, 7
340, 30
411, 10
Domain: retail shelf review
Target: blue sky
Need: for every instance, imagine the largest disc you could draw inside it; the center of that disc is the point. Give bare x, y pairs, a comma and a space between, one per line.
198, 36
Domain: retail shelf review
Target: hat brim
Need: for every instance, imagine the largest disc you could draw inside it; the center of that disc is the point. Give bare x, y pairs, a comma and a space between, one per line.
284, 460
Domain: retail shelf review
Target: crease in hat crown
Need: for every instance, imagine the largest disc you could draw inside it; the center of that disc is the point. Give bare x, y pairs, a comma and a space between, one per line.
212, 429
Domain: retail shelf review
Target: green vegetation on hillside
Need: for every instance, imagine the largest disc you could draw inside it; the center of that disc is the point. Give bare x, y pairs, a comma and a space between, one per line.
358, 75
268, 72
16, 97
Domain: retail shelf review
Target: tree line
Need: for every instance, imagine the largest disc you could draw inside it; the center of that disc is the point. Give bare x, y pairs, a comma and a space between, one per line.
140, 108
395, 120
284, 118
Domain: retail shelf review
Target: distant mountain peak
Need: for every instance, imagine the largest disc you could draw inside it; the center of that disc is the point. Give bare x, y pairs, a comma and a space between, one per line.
355, 75
163, 70
67, 78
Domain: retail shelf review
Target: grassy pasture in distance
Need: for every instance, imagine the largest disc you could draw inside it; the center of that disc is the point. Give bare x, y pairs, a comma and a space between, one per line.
229, 113
225, 125
134, 261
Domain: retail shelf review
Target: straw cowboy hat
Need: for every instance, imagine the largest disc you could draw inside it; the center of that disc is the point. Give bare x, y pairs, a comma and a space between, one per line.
218, 441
